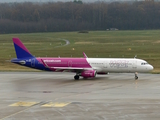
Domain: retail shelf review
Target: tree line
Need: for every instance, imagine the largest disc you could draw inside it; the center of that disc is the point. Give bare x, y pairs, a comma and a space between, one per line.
74, 16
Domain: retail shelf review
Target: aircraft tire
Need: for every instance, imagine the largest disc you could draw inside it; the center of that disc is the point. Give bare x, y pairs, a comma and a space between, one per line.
136, 77
76, 77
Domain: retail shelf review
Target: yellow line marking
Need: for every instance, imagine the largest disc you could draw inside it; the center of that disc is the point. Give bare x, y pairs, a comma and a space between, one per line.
17, 112
55, 104
23, 104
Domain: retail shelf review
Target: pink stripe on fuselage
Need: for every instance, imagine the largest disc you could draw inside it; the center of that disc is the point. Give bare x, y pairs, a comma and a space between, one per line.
65, 62
20, 44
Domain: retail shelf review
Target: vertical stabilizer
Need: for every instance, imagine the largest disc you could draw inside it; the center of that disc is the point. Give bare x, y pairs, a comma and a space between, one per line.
21, 50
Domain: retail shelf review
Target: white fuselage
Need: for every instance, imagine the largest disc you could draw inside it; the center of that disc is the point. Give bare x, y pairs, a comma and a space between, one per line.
119, 65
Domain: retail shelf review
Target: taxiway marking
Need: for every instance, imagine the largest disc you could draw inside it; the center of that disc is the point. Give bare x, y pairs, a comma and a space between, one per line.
51, 104
23, 104
28, 107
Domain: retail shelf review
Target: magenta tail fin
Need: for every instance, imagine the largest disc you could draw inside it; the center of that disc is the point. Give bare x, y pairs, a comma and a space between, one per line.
21, 50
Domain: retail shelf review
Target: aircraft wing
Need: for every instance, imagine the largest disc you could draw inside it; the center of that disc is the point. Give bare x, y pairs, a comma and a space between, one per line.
85, 56
67, 69
70, 69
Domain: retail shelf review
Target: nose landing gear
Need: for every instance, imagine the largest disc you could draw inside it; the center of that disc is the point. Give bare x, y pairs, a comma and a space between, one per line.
136, 76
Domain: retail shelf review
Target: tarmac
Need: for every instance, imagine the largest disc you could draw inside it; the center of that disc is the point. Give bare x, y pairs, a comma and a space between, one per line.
57, 96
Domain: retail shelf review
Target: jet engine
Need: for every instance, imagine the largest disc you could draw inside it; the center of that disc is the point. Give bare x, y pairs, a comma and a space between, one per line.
88, 73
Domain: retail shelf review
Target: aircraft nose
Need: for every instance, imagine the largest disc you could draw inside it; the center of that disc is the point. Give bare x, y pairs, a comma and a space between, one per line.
151, 67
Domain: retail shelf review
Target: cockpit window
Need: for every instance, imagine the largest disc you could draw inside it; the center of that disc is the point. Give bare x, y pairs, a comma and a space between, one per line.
144, 63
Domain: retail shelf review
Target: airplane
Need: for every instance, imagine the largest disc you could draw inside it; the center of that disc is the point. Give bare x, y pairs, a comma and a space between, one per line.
84, 67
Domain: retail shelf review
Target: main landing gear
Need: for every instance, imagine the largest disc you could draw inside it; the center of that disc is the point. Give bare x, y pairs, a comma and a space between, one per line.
76, 77
136, 76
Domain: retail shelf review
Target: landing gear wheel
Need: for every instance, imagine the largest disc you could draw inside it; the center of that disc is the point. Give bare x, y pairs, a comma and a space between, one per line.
76, 77
136, 76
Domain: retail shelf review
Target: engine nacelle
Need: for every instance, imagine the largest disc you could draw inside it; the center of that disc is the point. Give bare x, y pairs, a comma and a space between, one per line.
88, 73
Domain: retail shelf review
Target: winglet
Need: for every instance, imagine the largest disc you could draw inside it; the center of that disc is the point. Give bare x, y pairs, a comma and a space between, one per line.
21, 50
85, 56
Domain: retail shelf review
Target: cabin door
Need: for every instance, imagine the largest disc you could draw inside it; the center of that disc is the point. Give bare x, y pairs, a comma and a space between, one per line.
105, 64
134, 64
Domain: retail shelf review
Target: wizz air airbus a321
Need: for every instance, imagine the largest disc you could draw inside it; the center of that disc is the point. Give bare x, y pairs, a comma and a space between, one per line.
85, 67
